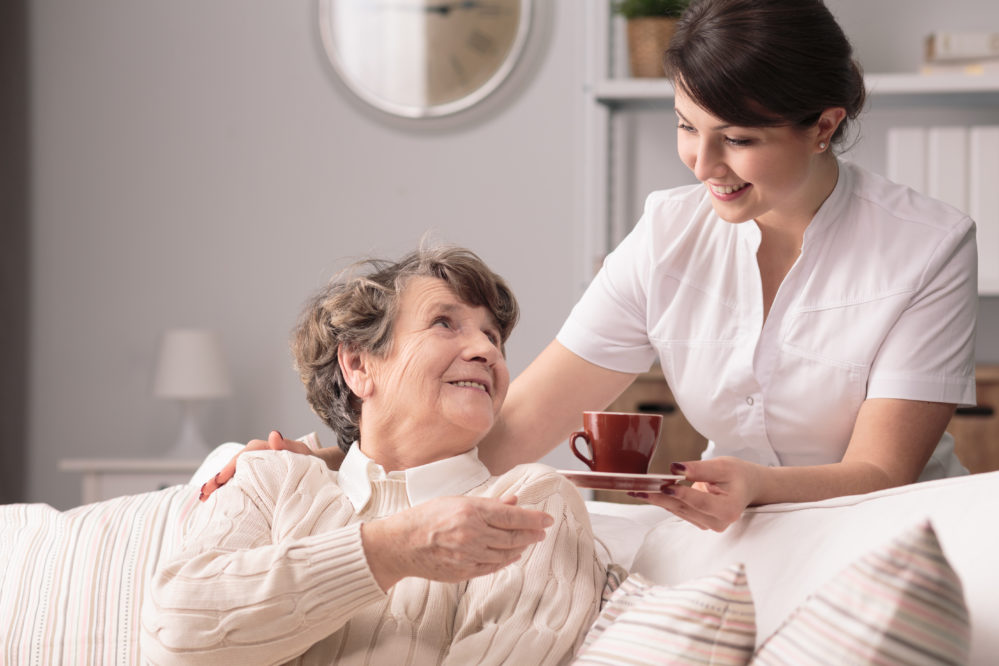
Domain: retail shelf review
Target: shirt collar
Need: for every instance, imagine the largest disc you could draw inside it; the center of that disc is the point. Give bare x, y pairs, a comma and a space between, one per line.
451, 476
831, 209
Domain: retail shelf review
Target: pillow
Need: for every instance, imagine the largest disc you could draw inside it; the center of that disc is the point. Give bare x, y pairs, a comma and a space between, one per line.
707, 621
72, 582
900, 604
616, 574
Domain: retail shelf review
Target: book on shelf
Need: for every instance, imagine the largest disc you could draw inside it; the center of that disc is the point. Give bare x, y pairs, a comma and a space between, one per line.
989, 67
948, 46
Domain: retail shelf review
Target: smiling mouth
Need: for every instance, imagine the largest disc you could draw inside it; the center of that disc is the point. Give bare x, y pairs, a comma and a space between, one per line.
727, 189
469, 384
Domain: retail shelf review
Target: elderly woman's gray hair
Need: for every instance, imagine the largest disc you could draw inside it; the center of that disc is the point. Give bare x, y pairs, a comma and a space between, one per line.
358, 308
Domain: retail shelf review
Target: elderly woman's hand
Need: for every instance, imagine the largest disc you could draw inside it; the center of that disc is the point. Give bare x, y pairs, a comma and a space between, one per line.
451, 539
722, 489
274, 442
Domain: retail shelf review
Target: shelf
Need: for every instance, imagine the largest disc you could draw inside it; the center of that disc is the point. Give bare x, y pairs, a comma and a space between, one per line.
623, 91
931, 84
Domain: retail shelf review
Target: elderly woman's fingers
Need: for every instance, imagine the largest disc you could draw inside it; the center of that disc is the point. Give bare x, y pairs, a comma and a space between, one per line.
504, 526
506, 515
450, 539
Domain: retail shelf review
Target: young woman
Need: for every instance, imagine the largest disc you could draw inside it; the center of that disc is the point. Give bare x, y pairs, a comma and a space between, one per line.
813, 320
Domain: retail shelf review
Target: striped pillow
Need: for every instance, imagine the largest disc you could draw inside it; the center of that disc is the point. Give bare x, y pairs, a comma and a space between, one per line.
707, 621
900, 604
72, 583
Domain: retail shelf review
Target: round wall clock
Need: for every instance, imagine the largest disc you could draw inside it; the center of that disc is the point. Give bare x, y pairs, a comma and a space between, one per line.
424, 58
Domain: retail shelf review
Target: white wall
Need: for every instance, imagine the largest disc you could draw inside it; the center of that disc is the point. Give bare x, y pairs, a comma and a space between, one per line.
194, 164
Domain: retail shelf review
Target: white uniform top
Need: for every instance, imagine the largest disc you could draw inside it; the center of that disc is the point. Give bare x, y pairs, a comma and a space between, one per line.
881, 303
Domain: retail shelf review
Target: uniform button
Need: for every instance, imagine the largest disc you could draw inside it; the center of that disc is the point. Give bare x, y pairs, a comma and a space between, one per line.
749, 400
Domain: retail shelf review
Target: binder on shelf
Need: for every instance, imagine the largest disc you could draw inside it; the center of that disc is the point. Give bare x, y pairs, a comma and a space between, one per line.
907, 156
947, 165
949, 45
983, 202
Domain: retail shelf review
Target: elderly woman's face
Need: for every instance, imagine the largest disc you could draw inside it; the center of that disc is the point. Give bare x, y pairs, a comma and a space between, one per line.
445, 374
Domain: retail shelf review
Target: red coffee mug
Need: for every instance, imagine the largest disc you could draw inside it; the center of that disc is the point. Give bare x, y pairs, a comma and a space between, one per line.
618, 442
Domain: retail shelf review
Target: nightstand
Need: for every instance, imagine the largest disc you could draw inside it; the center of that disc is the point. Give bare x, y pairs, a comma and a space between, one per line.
104, 478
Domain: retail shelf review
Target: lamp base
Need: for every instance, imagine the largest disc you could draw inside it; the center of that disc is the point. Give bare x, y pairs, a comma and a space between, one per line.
191, 444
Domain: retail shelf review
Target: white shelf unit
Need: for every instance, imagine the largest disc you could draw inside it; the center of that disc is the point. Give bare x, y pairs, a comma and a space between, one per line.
610, 99
624, 91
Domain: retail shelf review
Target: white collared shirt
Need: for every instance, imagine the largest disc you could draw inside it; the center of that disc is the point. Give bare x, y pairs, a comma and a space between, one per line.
881, 303
441, 478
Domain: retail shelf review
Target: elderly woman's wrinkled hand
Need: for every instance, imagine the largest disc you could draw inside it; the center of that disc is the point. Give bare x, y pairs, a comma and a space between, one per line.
451, 539
274, 442
721, 490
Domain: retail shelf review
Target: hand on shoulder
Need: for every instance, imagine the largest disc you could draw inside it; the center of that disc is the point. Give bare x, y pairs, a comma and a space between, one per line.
275, 442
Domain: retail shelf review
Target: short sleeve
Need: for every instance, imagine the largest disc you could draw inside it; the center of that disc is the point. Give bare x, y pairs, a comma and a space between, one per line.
609, 324
929, 353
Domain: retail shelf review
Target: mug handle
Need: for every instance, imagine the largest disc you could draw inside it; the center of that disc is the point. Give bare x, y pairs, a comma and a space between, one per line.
572, 445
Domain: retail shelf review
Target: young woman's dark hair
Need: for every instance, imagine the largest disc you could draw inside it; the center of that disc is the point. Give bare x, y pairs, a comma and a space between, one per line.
763, 63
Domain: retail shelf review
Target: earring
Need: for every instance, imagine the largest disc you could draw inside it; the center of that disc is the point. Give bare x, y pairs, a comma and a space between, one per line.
822, 145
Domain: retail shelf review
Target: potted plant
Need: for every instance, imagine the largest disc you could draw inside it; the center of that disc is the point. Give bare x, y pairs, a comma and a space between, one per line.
650, 25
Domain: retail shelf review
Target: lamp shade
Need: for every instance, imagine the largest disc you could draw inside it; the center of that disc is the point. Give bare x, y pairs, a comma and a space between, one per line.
191, 366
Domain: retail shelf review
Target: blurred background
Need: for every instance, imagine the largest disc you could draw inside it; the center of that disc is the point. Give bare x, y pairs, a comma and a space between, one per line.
171, 164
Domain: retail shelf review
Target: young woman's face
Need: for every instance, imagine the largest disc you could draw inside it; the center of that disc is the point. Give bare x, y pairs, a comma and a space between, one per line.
444, 379
750, 172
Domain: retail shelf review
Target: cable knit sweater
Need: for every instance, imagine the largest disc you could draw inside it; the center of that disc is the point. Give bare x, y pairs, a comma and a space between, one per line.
273, 571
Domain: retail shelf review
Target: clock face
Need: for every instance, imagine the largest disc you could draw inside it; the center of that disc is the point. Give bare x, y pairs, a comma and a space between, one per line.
424, 58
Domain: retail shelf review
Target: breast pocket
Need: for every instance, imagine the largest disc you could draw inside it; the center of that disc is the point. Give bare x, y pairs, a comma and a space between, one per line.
694, 314
847, 334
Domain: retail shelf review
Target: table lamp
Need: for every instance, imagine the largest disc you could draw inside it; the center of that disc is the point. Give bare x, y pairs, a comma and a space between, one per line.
191, 368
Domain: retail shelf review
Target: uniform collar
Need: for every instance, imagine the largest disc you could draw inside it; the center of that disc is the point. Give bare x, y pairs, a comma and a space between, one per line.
831, 209
834, 207
451, 476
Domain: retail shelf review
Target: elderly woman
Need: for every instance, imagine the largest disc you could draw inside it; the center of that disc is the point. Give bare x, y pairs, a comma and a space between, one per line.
290, 562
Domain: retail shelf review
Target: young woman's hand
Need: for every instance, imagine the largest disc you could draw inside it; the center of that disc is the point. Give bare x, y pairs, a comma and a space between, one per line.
722, 488
333, 456
451, 539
